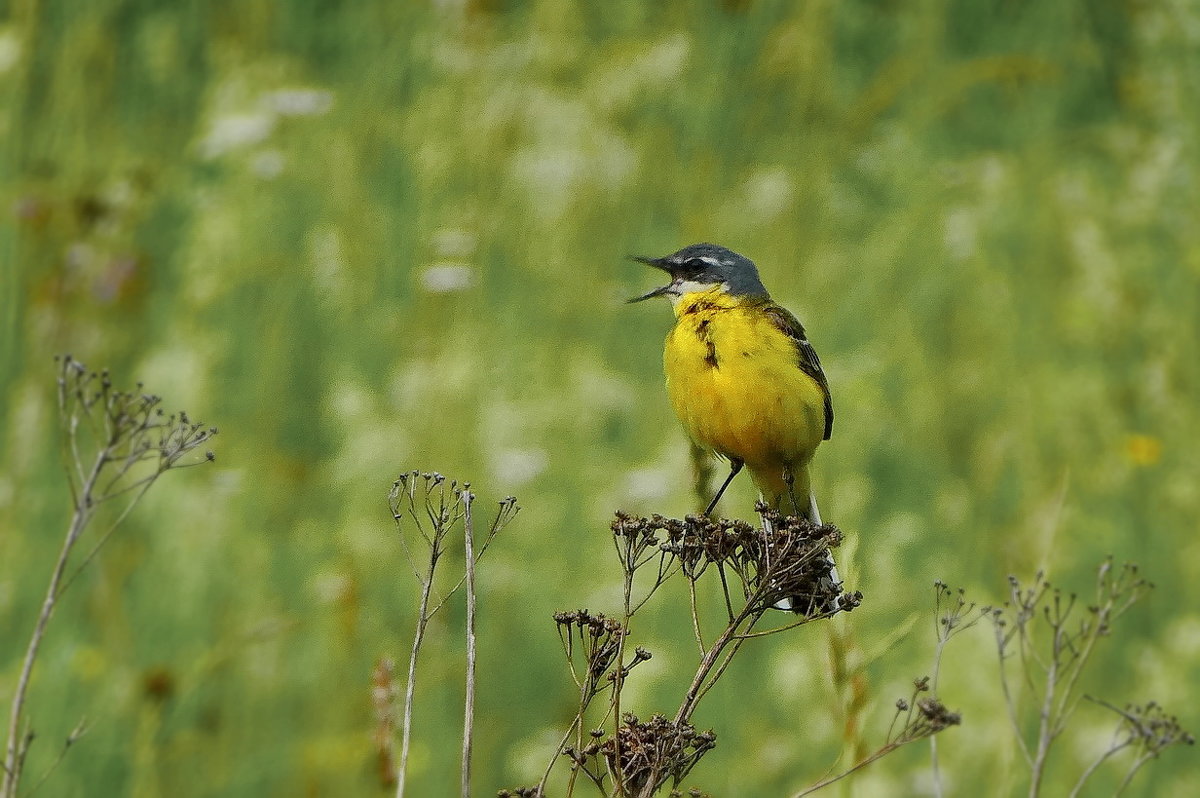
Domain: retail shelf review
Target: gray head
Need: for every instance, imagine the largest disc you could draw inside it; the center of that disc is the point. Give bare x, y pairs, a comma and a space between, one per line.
701, 267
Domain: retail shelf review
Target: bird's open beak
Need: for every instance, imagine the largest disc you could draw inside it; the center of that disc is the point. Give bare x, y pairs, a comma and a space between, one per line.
658, 263
651, 295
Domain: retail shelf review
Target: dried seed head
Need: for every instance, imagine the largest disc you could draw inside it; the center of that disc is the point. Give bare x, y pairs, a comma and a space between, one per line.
936, 715
656, 751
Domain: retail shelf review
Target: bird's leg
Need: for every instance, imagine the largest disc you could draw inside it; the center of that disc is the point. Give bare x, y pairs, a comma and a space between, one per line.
790, 479
735, 466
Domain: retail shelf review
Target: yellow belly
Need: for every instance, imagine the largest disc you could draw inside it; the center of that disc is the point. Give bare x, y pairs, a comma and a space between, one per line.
735, 383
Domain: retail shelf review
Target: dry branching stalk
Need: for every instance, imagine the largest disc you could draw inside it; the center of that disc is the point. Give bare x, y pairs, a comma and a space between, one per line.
1052, 636
953, 614
786, 562
1146, 729
434, 508
116, 444
923, 717
756, 569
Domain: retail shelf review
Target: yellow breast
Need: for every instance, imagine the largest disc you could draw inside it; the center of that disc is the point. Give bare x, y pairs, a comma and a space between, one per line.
735, 382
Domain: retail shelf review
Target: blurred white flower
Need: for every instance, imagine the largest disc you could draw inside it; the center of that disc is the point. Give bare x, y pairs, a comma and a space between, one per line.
454, 243
79, 256
769, 192
960, 235
349, 401
236, 131
298, 102
332, 587
573, 153
1098, 265
630, 75
902, 528
179, 364
650, 484
268, 164
515, 467
445, 278
1184, 638
10, 49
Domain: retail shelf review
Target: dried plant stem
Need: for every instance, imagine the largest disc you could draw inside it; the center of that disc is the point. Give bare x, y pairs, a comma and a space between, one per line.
1147, 727
937, 771
1010, 703
91, 555
1052, 672
80, 729
14, 754
695, 616
737, 643
1046, 731
469, 701
820, 785
950, 617
923, 717
577, 723
619, 677
131, 437
764, 566
1137, 765
934, 763
697, 688
410, 687
1051, 667
701, 683
432, 505
1092, 768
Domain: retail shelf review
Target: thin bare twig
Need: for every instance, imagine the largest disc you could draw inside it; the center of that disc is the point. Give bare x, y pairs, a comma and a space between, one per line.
79, 521
80, 729
951, 617
466, 497
435, 553
923, 718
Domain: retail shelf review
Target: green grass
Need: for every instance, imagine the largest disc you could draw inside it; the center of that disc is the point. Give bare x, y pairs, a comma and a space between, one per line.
983, 212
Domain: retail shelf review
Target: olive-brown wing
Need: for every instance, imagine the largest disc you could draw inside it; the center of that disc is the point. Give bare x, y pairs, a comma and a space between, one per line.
806, 356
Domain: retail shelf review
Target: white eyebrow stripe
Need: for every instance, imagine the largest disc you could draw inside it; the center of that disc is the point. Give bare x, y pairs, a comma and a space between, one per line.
711, 261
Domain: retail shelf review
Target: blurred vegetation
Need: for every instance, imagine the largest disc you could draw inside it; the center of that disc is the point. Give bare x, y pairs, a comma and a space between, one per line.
368, 237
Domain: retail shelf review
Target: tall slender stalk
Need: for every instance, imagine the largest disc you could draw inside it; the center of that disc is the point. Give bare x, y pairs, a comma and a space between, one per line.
134, 444
469, 703
14, 754
434, 507
949, 620
411, 685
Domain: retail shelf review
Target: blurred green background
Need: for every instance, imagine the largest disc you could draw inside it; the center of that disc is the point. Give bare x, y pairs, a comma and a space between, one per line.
367, 237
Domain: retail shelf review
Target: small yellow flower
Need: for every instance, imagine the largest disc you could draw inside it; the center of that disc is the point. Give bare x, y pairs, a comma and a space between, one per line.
1143, 450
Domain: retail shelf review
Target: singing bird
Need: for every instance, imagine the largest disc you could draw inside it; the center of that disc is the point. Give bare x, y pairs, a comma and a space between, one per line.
742, 376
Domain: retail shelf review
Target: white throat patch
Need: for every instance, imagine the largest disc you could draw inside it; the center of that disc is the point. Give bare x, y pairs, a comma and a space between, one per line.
691, 287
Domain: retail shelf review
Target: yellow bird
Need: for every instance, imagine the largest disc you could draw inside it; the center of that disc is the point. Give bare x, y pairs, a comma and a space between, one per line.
742, 376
